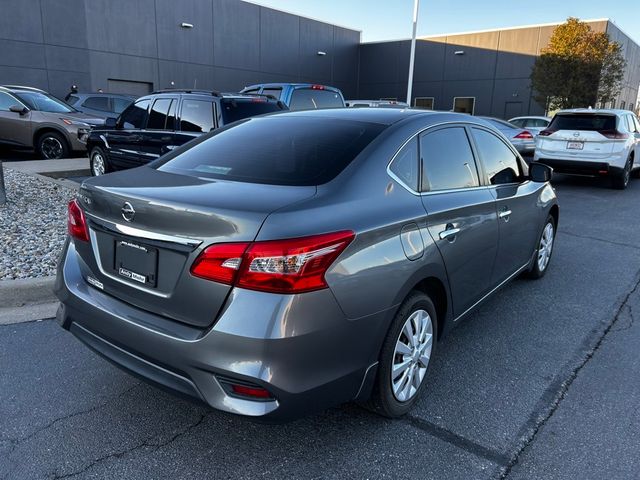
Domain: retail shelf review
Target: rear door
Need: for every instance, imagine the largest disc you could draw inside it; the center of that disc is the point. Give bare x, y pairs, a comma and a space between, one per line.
15, 129
516, 202
123, 143
197, 116
461, 213
158, 135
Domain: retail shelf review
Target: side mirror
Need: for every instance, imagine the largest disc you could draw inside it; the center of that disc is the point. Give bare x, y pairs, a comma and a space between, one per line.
19, 109
540, 172
110, 122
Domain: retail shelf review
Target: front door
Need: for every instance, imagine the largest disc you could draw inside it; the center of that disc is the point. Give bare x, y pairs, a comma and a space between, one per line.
15, 128
516, 199
461, 214
124, 141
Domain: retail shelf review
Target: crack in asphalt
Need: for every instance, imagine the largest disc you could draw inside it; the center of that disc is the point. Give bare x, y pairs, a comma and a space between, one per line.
630, 324
589, 237
557, 391
459, 441
145, 444
16, 442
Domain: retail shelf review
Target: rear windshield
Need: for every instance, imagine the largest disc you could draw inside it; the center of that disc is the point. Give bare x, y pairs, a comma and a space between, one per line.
312, 99
278, 150
583, 121
238, 109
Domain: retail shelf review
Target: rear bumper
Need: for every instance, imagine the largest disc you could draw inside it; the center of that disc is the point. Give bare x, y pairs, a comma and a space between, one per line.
577, 167
300, 348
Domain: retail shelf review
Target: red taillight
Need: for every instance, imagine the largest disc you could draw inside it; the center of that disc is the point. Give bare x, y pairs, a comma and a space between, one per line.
317, 87
246, 391
280, 266
220, 262
546, 133
76, 223
524, 135
613, 134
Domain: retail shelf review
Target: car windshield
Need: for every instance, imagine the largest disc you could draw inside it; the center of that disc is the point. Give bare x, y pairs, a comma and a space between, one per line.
278, 150
583, 121
238, 109
44, 102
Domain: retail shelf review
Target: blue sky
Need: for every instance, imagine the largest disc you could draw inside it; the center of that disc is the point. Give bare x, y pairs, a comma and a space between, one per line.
391, 19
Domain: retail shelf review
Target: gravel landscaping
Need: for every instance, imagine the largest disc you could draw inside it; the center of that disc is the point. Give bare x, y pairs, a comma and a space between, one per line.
32, 226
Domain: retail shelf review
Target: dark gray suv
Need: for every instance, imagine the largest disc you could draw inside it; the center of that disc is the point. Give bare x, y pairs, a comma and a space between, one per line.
304, 259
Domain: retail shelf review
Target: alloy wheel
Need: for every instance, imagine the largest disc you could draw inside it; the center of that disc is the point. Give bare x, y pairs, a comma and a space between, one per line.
411, 355
52, 148
546, 246
98, 164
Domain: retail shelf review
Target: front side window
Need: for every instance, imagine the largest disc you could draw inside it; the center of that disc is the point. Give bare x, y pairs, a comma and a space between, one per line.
6, 102
196, 116
119, 104
44, 102
314, 98
500, 163
405, 165
158, 114
97, 103
277, 150
135, 116
447, 160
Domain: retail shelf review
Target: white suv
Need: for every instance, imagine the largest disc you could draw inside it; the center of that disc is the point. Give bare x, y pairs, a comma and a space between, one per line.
592, 142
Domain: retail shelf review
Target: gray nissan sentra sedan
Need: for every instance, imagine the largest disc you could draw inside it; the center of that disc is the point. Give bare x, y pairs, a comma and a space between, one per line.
296, 261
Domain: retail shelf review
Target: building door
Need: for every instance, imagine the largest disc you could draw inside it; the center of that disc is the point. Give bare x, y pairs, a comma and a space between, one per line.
512, 109
129, 87
464, 104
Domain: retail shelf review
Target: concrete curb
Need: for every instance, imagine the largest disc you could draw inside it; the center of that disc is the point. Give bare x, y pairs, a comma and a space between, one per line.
26, 291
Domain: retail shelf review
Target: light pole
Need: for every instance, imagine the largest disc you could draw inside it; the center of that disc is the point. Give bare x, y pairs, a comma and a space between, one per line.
412, 56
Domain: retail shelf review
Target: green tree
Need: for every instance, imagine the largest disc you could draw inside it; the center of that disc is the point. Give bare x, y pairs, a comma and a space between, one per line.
578, 68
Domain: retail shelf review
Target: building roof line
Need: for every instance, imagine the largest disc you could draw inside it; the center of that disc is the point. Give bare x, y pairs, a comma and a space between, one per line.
490, 30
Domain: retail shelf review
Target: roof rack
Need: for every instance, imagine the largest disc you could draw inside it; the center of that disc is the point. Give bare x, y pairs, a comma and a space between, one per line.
188, 90
240, 94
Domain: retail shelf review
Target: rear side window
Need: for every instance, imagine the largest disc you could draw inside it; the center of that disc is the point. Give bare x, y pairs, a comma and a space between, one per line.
583, 121
447, 160
97, 103
235, 109
500, 163
311, 99
535, 122
158, 114
196, 116
135, 116
273, 91
519, 123
278, 150
405, 165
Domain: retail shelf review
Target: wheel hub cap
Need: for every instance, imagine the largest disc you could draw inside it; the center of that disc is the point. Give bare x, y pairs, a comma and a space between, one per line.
546, 246
411, 355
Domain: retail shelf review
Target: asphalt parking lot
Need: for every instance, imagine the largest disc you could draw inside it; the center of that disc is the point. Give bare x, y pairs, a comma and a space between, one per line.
543, 381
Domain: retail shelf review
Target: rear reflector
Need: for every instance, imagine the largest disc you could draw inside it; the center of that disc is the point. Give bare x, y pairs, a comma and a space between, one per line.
613, 134
281, 266
524, 135
76, 222
246, 391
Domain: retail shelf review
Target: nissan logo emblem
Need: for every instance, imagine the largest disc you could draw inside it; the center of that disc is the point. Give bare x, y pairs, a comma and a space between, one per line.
128, 212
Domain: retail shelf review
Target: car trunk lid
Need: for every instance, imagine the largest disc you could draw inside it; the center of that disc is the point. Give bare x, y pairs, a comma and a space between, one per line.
147, 227
581, 135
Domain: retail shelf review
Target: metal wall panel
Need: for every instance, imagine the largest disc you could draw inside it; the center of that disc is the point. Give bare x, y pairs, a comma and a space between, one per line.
279, 42
64, 23
21, 54
236, 34
192, 45
21, 20
316, 37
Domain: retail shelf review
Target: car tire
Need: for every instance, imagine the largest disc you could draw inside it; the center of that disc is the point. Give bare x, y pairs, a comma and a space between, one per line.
542, 257
621, 181
98, 162
387, 398
52, 145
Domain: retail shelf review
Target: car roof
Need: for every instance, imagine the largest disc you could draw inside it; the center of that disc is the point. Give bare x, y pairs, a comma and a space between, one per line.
98, 94
290, 84
383, 116
20, 88
206, 93
537, 117
610, 111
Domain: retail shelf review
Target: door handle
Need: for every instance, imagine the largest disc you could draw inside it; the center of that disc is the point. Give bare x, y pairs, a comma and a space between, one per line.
449, 234
505, 214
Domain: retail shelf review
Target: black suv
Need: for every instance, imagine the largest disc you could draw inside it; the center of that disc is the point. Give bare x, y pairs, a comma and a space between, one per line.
159, 122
